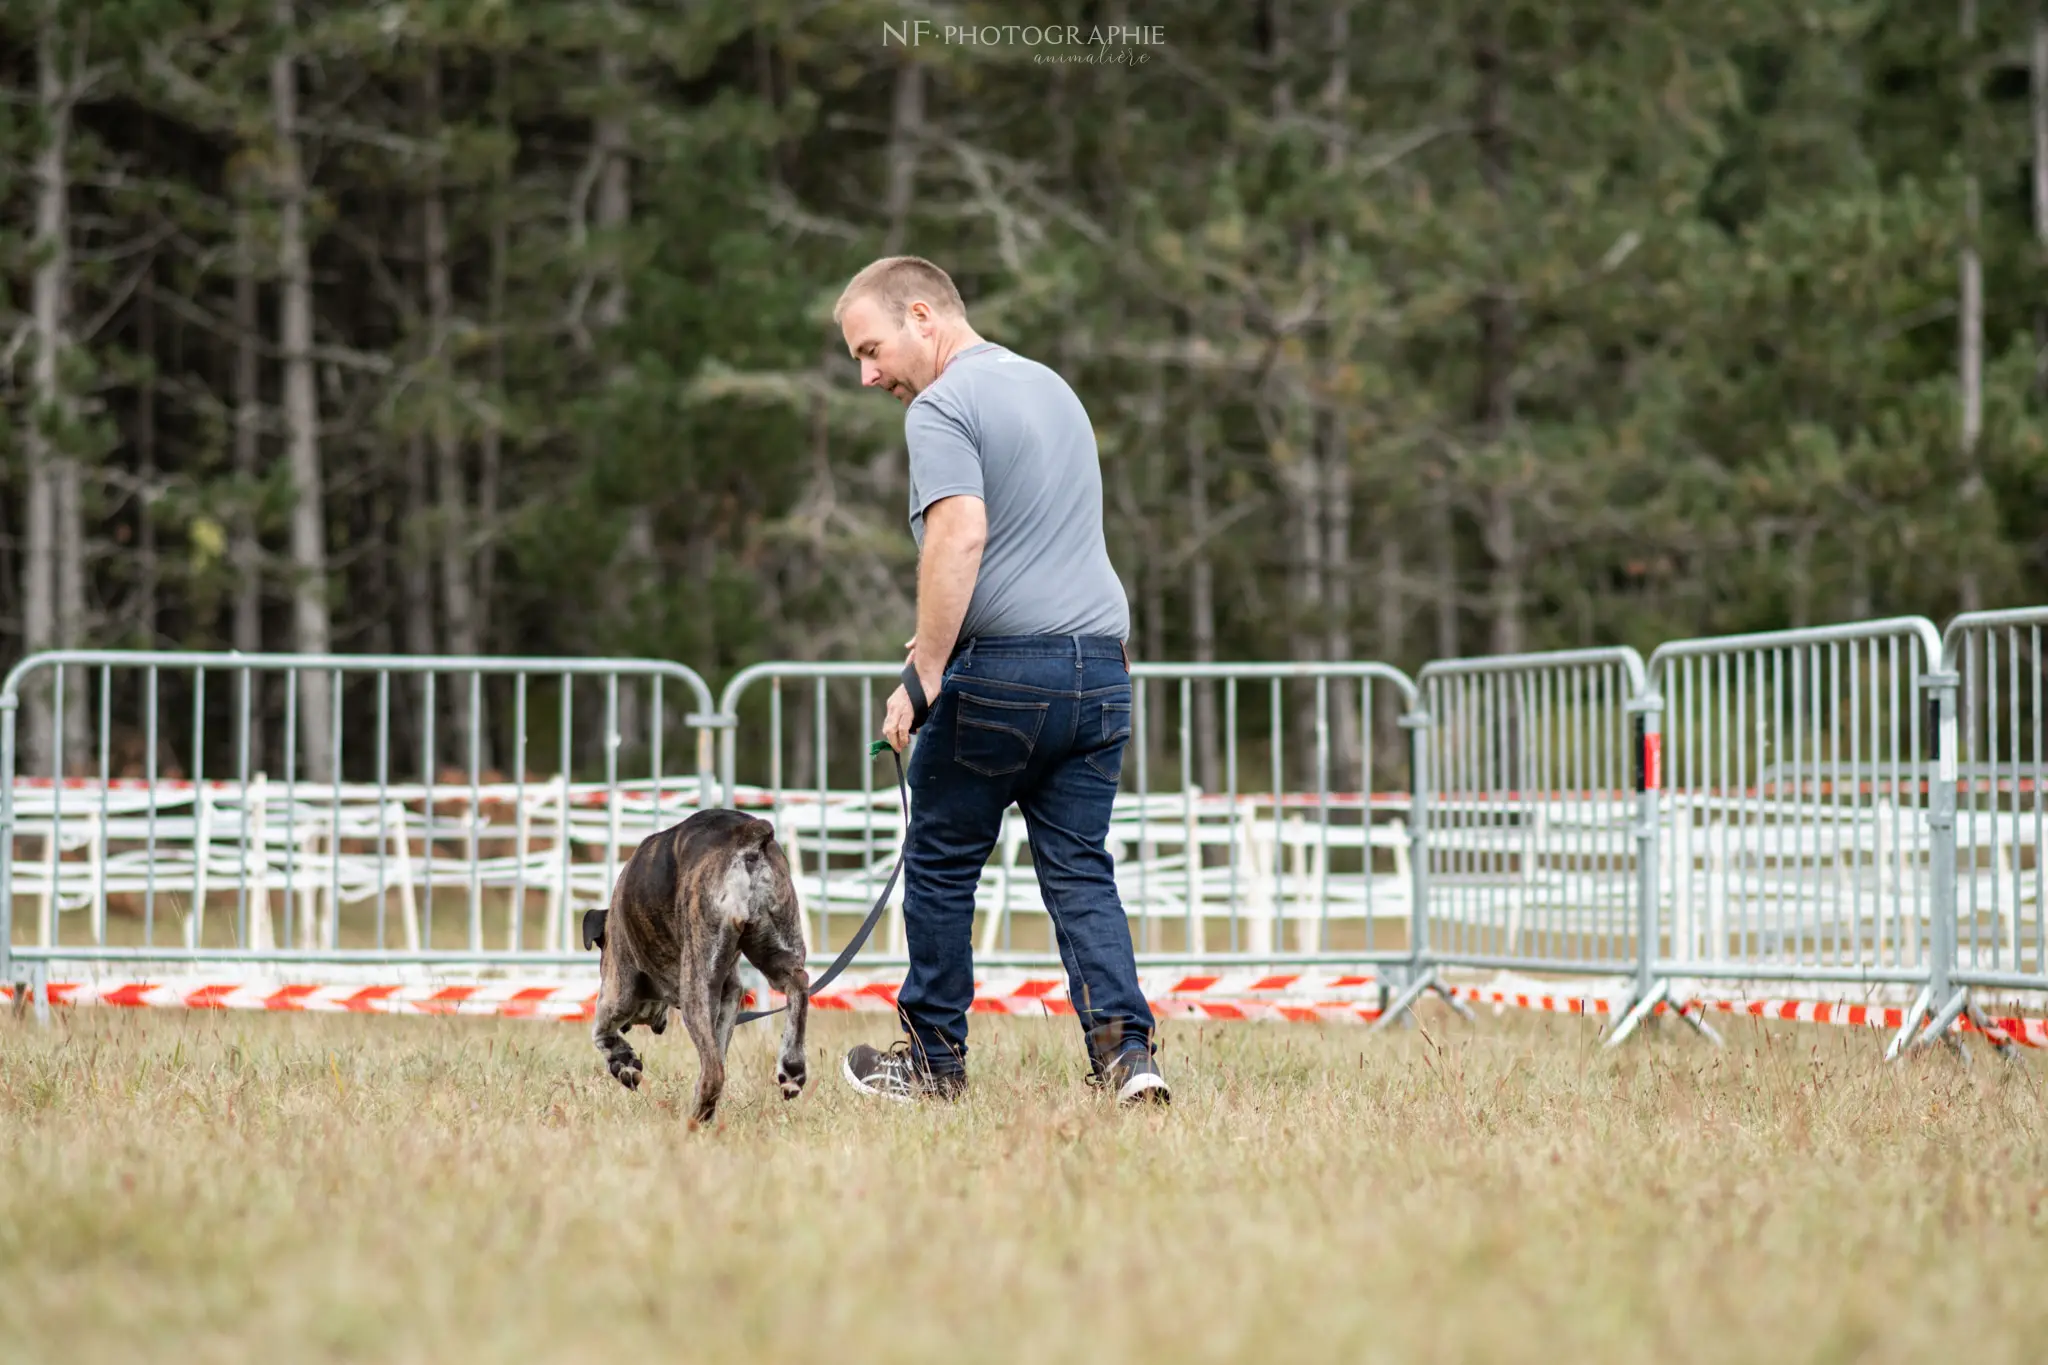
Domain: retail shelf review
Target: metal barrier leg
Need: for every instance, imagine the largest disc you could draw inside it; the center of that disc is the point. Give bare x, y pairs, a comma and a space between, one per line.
1698, 1020
1422, 985
1993, 1034
1657, 995
1915, 1017
39, 978
1405, 1001
1944, 1021
1962, 1005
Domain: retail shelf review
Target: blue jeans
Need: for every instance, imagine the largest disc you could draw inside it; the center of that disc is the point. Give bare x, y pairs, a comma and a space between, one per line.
1039, 721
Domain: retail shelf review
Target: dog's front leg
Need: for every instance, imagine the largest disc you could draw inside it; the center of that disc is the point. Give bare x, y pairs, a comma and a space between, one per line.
615, 1007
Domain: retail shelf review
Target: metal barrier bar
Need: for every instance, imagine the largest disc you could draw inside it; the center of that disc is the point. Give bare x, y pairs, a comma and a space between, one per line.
335, 828
1323, 856
1794, 832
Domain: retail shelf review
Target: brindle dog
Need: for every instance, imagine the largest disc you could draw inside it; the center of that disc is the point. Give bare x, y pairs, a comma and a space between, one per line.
687, 904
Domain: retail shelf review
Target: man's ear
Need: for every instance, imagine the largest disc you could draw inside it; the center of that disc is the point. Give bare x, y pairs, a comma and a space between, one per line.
593, 928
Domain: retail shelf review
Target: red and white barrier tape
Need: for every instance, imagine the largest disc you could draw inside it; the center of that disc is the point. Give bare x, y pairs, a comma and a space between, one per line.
1199, 995
2027, 1032
1283, 997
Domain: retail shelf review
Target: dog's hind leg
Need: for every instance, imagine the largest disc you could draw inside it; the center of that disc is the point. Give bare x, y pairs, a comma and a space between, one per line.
789, 1067
701, 1006
778, 951
731, 993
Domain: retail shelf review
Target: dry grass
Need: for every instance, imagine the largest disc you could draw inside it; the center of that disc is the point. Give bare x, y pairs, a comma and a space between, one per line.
250, 1188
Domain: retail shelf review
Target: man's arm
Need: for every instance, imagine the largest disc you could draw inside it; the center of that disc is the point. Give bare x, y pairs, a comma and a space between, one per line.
945, 468
955, 531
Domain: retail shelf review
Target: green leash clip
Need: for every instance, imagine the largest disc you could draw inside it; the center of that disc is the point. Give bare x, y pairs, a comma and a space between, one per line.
878, 748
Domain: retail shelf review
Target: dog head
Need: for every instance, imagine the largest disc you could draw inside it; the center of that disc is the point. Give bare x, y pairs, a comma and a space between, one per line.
593, 929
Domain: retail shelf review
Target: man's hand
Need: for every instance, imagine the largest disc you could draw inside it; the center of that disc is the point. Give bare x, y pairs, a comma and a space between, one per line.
896, 720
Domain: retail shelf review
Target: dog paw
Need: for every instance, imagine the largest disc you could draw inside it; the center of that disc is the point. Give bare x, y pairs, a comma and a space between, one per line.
791, 1081
628, 1073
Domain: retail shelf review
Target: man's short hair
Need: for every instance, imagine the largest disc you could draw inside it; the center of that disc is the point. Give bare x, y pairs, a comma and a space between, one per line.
898, 281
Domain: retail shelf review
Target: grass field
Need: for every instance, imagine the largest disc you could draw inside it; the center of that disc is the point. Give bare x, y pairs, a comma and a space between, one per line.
228, 1187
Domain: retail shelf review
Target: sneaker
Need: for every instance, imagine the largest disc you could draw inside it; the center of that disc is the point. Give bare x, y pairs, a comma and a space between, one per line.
1135, 1077
898, 1075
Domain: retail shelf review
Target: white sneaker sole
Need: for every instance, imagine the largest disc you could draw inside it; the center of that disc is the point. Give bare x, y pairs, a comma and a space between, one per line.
846, 1070
1137, 1086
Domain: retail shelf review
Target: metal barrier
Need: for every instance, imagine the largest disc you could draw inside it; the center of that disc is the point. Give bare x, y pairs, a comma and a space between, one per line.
1771, 807
1794, 838
1539, 833
1268, 850
275, 861
1996, 936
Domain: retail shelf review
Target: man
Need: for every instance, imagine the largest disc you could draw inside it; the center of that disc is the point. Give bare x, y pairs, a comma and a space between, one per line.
1017, 682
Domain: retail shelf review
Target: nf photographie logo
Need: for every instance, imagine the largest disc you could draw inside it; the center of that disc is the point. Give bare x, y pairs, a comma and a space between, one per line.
1114, 45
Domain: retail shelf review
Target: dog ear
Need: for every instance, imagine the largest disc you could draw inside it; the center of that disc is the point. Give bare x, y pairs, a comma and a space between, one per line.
593, 928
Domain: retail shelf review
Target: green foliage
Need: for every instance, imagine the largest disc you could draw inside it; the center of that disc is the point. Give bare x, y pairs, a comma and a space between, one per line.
1625, 321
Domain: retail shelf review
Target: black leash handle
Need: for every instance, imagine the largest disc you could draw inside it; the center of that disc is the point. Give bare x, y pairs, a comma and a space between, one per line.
920, 705
854, 945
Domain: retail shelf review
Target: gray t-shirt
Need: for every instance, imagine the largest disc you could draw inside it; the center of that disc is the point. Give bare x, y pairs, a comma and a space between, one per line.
1011, 432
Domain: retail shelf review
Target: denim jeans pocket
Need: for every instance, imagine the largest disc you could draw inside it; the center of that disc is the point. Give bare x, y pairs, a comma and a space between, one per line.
995, 736
1114, 728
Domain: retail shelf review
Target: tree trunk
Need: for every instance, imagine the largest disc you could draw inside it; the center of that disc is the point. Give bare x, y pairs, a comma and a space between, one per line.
71, 622
1335, 449
1151, 575
1309, 544
1390, 625
492, 455
1800, 576
47, 611
1202, 608
2039, 92
1508, 567
1860, 607
906, 133
633, 717
244, 547
890, 470
11, 604
310, 620
381, 638
1444, 560
416, 573
1497, 358
614, 194
1302, 476
614, 214
147, 575
453, 536
1971, 342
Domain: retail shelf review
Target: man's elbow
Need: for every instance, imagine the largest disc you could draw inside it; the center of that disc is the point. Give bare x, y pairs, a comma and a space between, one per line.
960, 524
970, 539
